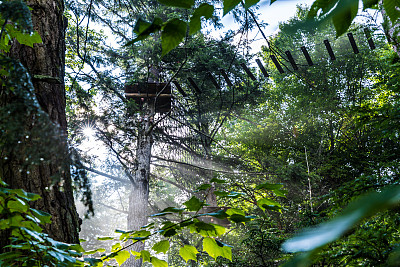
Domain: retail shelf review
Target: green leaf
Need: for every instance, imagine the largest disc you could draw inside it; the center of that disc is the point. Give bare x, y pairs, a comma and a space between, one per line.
143, 29
268, 186
327, 232
105, 238
157, 262
186, 223
188, 253
232, 211
17, 205
237, 218
280, 193
221, 193
391, 8
115, 247
221, 244
122, 256
218, 181
343, 15
221, 214
172, 35
194, 204
178, 3
93, 261
203, 187
161, 247
33, 234
235, 194
214, 250
44, 217
250, 3
204, 226
169, 232
369, 3
270, 204
145, 255
172, 209
229, 5
141, 233
10, 255
89, 252
24, 195
160, 214
207, 229
28, 39
204, 10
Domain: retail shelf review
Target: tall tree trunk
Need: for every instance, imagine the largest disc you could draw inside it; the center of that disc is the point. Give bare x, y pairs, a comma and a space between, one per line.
139, 196
45, 64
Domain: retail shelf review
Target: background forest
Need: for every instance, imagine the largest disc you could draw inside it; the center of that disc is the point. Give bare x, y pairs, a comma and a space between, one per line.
288, 156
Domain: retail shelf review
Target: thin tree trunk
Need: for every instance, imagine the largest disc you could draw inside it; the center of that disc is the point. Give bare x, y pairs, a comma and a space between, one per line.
139, 196
45, 64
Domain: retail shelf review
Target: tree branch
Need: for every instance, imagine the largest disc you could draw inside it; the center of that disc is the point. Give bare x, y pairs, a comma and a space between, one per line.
171, 182
107, 175
112, 208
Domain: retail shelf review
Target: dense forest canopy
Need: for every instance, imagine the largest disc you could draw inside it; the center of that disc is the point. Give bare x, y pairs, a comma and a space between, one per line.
210, 155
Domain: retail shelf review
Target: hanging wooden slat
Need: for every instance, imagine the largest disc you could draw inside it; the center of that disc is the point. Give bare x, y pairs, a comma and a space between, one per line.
179, 88
329, 49
194, 85
307, 56
249, 73
277, 65
369, 39
158, 92
291, 60
213, 80
226, 77
261, 66
353, 43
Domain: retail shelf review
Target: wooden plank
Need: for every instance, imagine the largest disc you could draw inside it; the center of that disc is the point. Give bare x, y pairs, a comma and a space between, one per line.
194, 85
160, 93
261, 66
307, 56
329, 49
226, 77
277, 65
249, 73
369, 39
353, 43
291, 60
144, 95
179, 88
213, 80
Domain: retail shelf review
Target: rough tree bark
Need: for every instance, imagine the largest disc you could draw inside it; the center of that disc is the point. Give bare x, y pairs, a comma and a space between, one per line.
139, 196
45, 64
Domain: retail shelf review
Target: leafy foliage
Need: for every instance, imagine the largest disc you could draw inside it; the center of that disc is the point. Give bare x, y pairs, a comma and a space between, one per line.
28, 244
